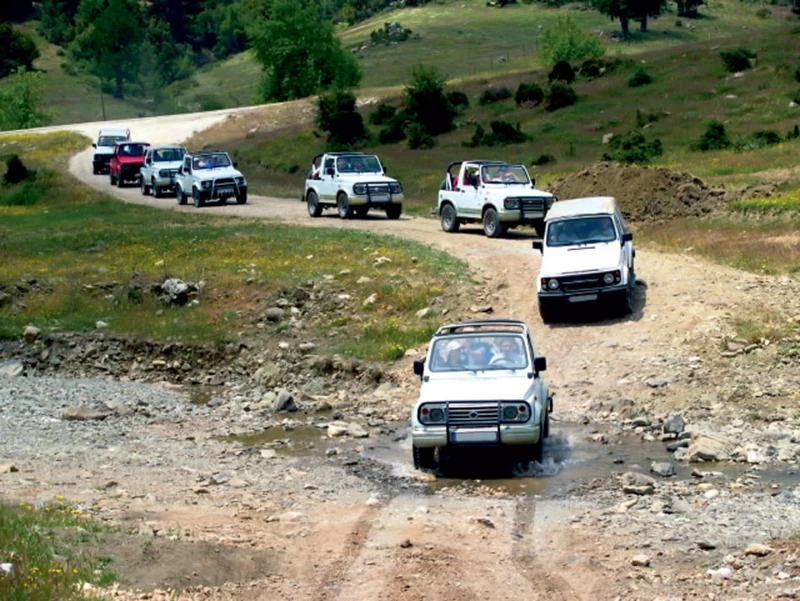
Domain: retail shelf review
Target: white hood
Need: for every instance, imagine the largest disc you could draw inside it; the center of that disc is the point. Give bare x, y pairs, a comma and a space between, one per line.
367, 178
565, 260
217, 173
477, 386
104, 150
159, 165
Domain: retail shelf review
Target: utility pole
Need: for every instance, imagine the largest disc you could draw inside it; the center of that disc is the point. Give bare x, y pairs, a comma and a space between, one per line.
102, 100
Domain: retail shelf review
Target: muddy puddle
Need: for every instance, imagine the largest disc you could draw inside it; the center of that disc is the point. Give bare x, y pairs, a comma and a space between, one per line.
570, 460
202, 394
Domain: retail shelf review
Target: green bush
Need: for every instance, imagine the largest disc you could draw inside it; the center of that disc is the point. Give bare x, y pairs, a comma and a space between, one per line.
640, 78
633, 147
592, 68
394, 130
767, 137
458, 99
502, 134
763, 13
562, 71
418, 137
492, 95
336, 115
737, 60
543, 159
382, 114
426, 102
529, 94
210, 103
643, 119
565, 40
16, 171
559, 96
714, 138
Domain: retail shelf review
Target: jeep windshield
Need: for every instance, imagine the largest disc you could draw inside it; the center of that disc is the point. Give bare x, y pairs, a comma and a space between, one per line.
581, 230
478, 353
131, 150
211, 161
168, 155
110, 140
504, 174
358, 164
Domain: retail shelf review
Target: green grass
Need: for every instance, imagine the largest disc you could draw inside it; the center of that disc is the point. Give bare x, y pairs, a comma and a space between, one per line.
84, 257
44, 546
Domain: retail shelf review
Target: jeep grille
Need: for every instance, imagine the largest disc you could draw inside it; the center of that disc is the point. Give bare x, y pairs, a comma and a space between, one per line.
532, 203
473, 414
223, 181
581, 282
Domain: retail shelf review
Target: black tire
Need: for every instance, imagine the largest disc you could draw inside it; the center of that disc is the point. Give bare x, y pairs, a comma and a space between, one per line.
546, 428
424, 458
627, 301
449, 219
95, 170
112, 179
180, 195
312, 202
492, 226
120, 181
361, 211
198, 199
241, 198
157, 193
143, 186
538, 226
343, 207
394, 211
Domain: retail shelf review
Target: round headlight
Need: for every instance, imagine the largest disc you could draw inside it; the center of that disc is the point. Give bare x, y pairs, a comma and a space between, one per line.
552, 284
510, 413
206, 185
608, 278
360, 189
436, 415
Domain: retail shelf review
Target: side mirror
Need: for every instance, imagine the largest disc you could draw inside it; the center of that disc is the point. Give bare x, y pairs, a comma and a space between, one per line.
330, 171
533, 182
627, 237
385, 170
419, 368
538, 245
236, 163
540, 364
94, 145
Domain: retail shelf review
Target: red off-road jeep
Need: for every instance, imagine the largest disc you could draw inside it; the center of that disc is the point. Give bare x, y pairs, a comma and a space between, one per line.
127, 162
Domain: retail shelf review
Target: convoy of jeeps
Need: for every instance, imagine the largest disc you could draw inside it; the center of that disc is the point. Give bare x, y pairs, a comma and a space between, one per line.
482, 384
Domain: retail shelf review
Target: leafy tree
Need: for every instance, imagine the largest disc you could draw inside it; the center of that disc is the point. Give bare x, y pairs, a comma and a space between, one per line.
337, 115
566, 41
426, 102
173, 61
19, 101
300, 53
57, 20
109, 40
688, 8
17, 50
630, 10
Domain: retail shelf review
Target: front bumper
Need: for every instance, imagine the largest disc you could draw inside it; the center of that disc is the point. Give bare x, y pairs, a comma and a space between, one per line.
559, 298
379, 201
101, 161
223, 193
517, 216
504, 435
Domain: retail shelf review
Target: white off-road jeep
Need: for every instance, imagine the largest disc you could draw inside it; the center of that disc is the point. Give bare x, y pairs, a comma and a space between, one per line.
498, 195
209, 176
587, 257
482, 387
161, 165
353, 183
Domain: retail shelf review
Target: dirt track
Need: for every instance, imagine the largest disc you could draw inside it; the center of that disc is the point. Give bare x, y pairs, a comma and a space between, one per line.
415, 546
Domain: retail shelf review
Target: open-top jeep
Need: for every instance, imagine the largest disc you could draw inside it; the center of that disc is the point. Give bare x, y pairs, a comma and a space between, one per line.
499, 195
207, 176
352, 182
126, 164
482, 386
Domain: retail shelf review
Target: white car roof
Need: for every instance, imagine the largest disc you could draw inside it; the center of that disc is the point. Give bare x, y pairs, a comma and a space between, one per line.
115, 131
594, 205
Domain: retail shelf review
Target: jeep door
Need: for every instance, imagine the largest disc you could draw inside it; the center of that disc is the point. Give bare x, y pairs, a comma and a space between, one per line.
469, 192
327, 180
147, 167
184, 176
627, 247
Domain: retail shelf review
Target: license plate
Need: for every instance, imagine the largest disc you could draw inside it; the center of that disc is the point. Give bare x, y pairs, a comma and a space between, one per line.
468, 437
225, 191
379, 198
582, 298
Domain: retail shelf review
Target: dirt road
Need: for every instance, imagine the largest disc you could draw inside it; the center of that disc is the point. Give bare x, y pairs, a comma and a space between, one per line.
336, 537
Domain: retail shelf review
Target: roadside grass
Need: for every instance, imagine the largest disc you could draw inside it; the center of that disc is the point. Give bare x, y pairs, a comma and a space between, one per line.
75, 256
44, 547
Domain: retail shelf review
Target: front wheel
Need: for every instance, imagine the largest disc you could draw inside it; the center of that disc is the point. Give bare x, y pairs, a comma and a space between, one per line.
393, 211
156, 190
111, 178
198, 199
424, 458
241, 198
143, 186
548, 314
119, 180
492, 226
343, 207
538, 226
450, 222
627, 301
180, 195
312, 202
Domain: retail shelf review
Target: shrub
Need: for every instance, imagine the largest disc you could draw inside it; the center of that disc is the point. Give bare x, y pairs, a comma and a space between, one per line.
793, 133
543, 159
640, 78
763, 13
502, 134
592, 68
395, 129
20, 97
492, 95
560, 96
418, 137
336, 114
715, 138
643, 119
426, 103
565, 40
529, 94
737, 60
633, 147
767, 137
16, 171
459, 100
562, 71
210, 103
382, 114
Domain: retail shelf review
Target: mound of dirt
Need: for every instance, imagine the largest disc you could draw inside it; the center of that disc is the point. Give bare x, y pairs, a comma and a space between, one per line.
645, 194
